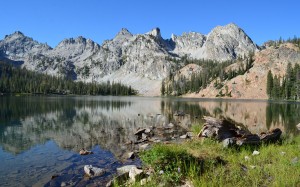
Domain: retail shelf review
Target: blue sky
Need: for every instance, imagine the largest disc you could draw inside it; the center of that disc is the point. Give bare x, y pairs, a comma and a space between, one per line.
52, 21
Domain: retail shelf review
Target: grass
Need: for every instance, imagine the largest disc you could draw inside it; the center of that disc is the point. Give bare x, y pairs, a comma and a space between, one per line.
207, 163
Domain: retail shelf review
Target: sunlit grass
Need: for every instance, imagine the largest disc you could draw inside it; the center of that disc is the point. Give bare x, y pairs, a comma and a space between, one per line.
207, 163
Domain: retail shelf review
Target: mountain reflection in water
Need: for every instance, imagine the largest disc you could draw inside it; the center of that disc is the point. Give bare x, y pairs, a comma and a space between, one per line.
68, 124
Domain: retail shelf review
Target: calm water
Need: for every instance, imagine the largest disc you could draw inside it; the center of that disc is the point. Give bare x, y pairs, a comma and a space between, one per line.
41, 136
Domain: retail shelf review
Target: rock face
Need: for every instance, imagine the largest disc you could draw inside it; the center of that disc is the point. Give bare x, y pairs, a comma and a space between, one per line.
141, 60
222, 43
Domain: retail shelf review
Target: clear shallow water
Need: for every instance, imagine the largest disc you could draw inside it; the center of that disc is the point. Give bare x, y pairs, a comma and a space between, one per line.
41, 136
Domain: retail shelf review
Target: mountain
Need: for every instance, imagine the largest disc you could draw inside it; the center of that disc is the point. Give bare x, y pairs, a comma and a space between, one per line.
253, 84
139, 60
222, 43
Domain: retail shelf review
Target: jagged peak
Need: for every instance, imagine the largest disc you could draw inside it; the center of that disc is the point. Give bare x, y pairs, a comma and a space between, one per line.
155, 32
229, 27
123, 32
232, 25
16, 34
79, 39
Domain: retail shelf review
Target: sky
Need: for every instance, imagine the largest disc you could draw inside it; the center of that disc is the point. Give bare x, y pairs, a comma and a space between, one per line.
51, 21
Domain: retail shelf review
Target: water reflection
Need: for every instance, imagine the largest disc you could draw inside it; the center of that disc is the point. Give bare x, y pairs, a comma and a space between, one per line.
76, 122
30, 124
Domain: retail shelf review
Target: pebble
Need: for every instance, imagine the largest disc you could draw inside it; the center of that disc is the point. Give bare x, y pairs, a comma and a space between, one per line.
255, 153
247, 158
282, 153
143, 182
295, 160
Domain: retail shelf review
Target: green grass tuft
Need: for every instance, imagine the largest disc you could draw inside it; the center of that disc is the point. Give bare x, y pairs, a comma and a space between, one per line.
207, 163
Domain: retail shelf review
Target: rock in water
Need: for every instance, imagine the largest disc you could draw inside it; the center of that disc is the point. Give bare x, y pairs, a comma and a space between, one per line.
93, 171
85, 152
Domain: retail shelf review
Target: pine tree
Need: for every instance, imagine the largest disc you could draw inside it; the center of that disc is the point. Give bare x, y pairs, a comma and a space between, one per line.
269, 84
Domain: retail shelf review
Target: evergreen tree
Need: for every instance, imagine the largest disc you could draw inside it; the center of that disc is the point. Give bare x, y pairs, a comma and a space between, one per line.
269, 83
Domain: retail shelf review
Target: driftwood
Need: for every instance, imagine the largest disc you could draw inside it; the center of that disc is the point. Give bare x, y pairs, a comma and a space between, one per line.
230, 133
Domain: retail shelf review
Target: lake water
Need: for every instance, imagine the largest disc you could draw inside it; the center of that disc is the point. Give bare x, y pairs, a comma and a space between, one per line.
40, 136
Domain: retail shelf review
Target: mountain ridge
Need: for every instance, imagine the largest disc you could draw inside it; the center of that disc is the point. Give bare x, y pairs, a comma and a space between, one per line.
139, 60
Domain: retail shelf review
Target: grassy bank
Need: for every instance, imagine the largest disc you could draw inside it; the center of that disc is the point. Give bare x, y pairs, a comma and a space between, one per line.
207, 163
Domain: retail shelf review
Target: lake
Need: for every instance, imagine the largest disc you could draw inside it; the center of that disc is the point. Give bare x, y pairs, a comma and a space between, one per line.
40, 136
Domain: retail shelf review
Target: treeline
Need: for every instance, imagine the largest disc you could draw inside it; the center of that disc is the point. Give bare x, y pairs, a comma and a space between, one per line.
211, 70
17, 80
287, 87
295, 40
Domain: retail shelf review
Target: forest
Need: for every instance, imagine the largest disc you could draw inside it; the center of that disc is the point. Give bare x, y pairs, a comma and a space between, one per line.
211, 70
20, 80
286, 87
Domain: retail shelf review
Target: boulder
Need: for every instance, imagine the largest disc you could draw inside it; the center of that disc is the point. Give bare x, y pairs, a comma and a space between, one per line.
229, 133
144, 136
140, 131
144, 146
148, 130
170, 125
93, 171
298, 126
125, 169
185, 136
135, 174
131, 155
228, 142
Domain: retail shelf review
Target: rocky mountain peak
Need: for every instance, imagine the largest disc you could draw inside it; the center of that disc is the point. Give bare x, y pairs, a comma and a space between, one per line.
16, 46
140, 60
14, 35
155, 32
122, 35
124, 32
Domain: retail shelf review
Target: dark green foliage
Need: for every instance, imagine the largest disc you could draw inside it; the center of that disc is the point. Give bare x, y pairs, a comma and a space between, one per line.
16, 80
269, 83
287, 87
